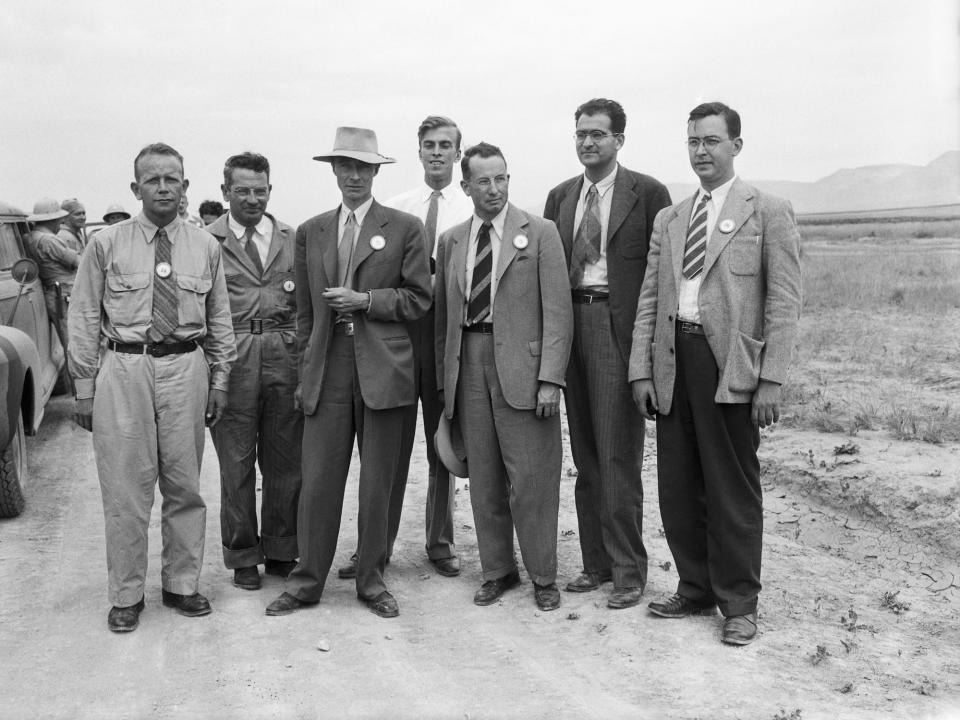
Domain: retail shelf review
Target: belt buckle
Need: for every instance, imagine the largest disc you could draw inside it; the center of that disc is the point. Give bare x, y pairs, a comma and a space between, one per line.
256, 326
153, 350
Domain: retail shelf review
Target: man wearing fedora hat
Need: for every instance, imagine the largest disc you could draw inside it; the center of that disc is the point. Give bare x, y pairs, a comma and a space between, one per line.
57, 261
361, 276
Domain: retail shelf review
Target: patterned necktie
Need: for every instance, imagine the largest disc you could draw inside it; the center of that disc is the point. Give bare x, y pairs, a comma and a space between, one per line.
586, 244
252, 250
695, 249
166, 316
345, 251
479, 307
431, 223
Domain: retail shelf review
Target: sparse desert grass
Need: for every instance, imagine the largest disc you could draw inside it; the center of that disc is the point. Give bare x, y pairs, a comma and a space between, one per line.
879, 340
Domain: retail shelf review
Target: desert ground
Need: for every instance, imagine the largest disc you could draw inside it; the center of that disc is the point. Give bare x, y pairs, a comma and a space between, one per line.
859, 617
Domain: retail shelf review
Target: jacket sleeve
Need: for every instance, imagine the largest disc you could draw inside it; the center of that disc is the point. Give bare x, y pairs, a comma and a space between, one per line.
440, 308
556, 306
304, 301
781, 266
645, 323
83, 320
220, 344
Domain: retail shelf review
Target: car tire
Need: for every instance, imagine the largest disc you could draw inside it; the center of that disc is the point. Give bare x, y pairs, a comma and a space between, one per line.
13, 471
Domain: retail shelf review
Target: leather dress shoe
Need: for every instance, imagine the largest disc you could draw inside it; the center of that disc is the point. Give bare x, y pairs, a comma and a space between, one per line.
349, 570
448, 567
247, 578
124, 619
547, 596
624, 597
281, 568
384, 605
491, 590
587, 581
677, 606
189, 605
286, 604
740, 629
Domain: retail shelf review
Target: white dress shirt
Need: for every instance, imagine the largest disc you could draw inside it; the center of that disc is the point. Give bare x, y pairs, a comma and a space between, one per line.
262, 232
496, 236
595, 274
689, 291
359, 214
453, 206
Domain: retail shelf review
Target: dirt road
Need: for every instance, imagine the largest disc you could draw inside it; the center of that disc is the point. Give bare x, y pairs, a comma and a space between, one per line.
860, 614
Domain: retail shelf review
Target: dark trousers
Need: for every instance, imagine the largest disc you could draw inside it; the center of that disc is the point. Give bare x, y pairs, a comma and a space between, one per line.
327, 447
440, 483
515, 460
606, 439
709, 481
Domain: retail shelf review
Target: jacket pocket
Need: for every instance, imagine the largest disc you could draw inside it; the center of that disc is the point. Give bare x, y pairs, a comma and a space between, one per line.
743, 364
192, 294
536, 347
128, 299
745, 255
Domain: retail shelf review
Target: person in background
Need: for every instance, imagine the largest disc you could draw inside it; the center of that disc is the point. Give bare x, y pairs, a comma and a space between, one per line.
186, 216
57, 260
210, 210
73, 231
114, 214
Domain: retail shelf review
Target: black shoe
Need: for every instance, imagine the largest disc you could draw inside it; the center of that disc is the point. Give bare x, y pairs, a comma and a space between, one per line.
587, 581
624, 597
448, 567
124, 619
491, 590
384, 605
247, 578
286, 604
740, 629
677, 606
349, 570
281, 568
547, 596
189, 605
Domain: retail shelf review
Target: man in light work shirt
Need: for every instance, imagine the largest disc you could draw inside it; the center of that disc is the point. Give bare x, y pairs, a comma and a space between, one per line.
153, 289
73, 231
440, 203
261, 421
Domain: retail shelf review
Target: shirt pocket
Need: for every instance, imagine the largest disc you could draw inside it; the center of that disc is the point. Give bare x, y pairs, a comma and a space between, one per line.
128, 300
745, 255
192, 295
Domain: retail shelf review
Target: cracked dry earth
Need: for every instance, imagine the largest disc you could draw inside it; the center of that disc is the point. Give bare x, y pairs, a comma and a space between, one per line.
858, 617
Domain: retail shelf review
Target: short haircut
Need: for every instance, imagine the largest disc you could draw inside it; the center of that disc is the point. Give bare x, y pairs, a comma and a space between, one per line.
482, 150
245, 161
211, 207
156, 149
730, 116
432, 122
601, 106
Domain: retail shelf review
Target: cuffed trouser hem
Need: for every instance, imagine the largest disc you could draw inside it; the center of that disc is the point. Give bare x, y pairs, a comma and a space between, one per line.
498, 573
242, 558
442, 552
741, 607
279, 548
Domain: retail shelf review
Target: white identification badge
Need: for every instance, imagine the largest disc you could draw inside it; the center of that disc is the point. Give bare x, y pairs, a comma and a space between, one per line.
289, 286
520, 242
164, 270
377, 242
726, 225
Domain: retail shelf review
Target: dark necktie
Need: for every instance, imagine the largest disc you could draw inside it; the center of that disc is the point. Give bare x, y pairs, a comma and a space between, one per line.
478, 308
586, 244
251, 247
166, 316
695, 249
431, 223
345, 250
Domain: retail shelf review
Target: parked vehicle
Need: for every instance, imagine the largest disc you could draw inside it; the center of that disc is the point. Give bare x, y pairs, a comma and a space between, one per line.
31, 358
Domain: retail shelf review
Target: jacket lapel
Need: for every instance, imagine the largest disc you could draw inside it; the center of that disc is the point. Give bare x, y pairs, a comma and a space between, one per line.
328, 248
568, 214
737, 207
458, 254
624, 198
373, 224
514, 225
678, 236
231, 243
276, 243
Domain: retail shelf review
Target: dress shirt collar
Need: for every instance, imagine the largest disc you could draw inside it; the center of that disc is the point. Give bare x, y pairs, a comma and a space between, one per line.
262, 228
718, 195
360, 213
603, 186
497, 222
150, 230
446, 193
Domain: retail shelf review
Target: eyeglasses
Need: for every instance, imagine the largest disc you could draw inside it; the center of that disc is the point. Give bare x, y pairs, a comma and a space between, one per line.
710, 142
595, 135
259, 193
485, 183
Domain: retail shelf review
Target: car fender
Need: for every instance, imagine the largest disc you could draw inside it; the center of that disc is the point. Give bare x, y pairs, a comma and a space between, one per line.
19, 365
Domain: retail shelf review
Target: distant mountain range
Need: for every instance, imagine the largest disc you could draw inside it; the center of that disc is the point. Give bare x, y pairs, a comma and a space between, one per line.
873, 187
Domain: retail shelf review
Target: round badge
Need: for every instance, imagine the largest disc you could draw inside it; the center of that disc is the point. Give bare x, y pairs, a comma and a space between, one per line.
164, 270
726, 225
289, 286
377, 242
520, 242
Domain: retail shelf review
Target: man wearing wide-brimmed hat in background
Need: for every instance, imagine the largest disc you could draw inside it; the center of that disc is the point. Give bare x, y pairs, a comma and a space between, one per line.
57, 260
361, 276
114, 214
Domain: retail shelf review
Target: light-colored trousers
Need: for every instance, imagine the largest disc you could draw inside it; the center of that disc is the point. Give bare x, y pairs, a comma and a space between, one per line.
148, 425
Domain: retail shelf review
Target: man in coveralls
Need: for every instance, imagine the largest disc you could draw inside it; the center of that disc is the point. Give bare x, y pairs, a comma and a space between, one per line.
261, 420
153, 289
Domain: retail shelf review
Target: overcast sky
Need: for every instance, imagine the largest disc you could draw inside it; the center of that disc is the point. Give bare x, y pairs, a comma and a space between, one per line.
820, 84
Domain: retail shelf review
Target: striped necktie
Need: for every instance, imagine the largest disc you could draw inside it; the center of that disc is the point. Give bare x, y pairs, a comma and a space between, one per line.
252, 250
478, 309
695, 249
166, 315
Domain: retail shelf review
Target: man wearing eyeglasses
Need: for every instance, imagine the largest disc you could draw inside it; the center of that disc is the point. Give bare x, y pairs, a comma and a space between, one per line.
261, 422
605, 217
503, 338
715, 331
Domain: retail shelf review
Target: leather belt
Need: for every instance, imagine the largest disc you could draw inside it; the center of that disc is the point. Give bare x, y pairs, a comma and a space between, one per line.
258, 326
483, 328
587, 297
153, 349
690, 328
344, 328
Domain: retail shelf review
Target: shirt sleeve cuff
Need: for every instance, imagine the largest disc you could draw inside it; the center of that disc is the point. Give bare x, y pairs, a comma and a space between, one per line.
220, 380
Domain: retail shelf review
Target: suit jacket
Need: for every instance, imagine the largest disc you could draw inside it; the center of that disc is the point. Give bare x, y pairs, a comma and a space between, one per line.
749, 297
398, 279
253, 295
637, 199
532, 312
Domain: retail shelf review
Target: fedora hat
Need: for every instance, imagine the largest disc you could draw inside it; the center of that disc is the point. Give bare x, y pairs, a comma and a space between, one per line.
46, 209
116, 210
357, 143
450, 447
